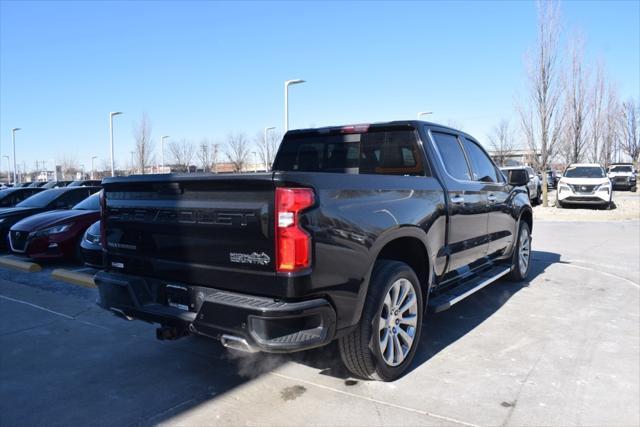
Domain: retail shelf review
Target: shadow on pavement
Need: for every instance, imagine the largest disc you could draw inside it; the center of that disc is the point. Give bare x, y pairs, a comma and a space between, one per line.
115, 373
442, 329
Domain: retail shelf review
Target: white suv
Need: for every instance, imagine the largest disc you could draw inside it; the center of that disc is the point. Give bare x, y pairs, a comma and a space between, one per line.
622, 176
584, 183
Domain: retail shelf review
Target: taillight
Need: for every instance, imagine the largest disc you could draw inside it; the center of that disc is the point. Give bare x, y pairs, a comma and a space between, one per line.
103, 220
293, 244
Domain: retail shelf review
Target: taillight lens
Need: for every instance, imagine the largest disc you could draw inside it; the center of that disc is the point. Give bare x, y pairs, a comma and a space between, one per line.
103, 220
293, 244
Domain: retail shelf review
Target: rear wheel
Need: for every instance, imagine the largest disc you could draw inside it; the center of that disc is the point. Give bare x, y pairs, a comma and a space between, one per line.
383, 344
521, 254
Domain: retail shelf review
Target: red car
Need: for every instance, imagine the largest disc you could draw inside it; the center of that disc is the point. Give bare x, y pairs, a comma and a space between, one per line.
55, 234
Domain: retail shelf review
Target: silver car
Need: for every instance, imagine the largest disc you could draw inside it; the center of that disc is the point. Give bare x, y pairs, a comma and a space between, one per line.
534, 186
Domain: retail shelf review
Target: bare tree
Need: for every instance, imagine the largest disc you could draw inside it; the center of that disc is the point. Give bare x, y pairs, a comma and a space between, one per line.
502, 142
69, 166
576, 108
143, 155
631, 129
237, 151
596, 117
182, 153
541, 118
611, 129
267, 148
204, 154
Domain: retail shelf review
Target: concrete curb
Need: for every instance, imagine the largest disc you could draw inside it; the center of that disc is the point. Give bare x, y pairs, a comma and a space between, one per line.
80, 279
29, 267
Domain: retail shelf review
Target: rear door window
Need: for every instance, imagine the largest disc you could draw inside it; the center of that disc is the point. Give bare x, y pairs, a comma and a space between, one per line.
483, 168
452, 155
377, 152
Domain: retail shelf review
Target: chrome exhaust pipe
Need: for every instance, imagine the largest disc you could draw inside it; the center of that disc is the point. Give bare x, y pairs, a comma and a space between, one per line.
237, 343
120, 313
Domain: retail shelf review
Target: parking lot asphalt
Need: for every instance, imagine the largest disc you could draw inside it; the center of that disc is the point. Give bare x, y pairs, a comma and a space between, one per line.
560, 349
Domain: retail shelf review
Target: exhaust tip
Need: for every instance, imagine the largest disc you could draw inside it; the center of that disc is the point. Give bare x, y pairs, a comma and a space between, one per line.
120, 313
237, 343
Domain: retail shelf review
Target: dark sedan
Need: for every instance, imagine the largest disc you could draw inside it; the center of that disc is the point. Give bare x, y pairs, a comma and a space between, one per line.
91, 247
12, 196
56, 184
55, 234
86, 183
47, 200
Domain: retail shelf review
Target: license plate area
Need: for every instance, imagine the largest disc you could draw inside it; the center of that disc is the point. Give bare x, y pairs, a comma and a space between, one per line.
178, 296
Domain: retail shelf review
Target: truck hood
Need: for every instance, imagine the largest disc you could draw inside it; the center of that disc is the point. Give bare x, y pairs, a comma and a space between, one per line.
614, 174
584, 181
51, 218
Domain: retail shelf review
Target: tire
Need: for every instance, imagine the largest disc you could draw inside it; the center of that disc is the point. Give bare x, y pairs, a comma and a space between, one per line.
538, 199
559, 204
78, 255
362, 349
521, 260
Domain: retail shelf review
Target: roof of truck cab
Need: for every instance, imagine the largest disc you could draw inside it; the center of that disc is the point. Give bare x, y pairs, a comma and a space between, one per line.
399, 123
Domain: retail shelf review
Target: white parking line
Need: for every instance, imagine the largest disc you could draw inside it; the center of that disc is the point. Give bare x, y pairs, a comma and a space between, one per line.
380, 402
36, 306
572, 263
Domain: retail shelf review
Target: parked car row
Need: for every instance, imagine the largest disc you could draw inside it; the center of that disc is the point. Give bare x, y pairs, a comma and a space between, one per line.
51, 223
53, 184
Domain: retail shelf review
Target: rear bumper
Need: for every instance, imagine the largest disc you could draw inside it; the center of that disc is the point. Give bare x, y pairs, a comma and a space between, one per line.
266, 324
625, 185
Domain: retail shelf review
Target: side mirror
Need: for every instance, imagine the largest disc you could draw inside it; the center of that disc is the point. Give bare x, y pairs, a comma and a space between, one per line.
518, 177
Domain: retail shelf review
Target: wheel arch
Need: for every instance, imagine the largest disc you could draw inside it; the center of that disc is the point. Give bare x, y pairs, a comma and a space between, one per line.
404, 244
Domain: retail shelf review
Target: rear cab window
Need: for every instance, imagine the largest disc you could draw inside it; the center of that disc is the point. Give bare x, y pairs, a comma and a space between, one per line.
376, 151
452, 155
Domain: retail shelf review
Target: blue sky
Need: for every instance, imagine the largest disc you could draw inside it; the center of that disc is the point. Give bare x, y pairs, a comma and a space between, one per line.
201, 69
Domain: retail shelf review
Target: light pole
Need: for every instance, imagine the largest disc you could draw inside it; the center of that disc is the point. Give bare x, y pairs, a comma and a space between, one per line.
266, 145
286, 100
82, 171
424, 113
111, 114
162, 138
13, 139
92, 159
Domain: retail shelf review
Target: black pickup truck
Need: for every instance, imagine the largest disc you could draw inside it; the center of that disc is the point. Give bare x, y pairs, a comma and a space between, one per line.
357, 232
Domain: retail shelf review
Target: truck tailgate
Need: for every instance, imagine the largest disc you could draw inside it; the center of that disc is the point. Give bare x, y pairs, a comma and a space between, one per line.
207, 230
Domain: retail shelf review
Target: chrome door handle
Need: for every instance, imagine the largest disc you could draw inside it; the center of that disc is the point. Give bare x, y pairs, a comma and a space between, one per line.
492, 198
457, 200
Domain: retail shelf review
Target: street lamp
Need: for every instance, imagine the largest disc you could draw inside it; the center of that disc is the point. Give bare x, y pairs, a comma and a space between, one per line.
424, 113
162, 138
92, 159
286, 100
111, 114
13, 139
